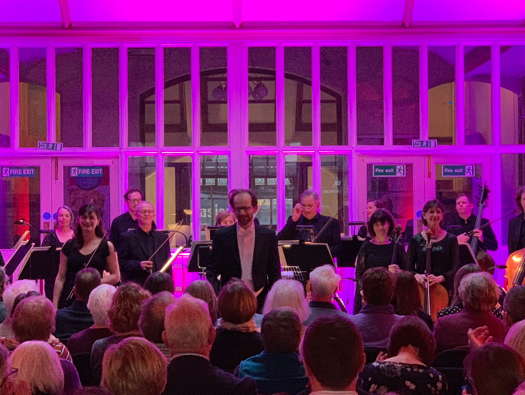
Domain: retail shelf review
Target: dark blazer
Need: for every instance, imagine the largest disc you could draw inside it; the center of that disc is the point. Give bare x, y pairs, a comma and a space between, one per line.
514, 234
121, 224
194, 375
132, 251
226, 262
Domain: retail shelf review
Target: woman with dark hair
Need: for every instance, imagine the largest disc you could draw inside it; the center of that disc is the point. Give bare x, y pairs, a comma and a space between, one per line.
407, 299
89, 248
380, 251
516, 234
406, 369
494, 369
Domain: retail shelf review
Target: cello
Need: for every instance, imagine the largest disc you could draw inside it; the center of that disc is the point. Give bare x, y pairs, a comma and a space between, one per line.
514, 269
483, 259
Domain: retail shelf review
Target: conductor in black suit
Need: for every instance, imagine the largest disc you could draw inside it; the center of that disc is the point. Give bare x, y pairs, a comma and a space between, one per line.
244, 250
138, 245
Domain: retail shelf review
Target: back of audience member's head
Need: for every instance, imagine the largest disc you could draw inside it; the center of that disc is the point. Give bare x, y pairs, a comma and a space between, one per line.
281, 331
125, 308
3, 280
21, 297
134, 366
515, 337
406, 295
158, 282
478, 292
151, 321
34, 319
188, 327
287, 293
333, 352
37, 364
514, 304
92, 391
16, 288
324, 282
202, 289
86, 280
412, 331
4, 365
99, 303
494, 369
237, 303
378, 286
460, 273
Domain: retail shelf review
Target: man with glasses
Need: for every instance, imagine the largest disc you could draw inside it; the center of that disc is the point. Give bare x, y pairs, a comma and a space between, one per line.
128, 220
244, 250
142, 250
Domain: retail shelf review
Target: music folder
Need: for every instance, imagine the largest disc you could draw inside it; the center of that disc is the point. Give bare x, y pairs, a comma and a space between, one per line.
39, 263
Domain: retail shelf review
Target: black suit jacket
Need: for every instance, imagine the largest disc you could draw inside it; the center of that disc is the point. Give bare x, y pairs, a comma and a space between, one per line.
120, 225
194, 375
132, 250
226, 262
514, 242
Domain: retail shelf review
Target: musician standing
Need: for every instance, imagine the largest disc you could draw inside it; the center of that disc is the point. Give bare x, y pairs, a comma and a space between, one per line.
326, 229
463, 221
128, 220
516, 235
143, 250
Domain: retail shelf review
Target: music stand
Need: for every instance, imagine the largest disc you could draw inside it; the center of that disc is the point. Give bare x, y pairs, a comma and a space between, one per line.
39, 263
19, 255
306, 257
347, 251
200, 256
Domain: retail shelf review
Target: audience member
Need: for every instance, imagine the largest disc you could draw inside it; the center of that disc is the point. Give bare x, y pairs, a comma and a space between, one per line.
151, 321
159, 281
514, 305
377, 315
479, 294
225, 218
286, 293
494, 369
333, 355
34, 319
76, 317
515, 337
202, 289
278, 368
324, 282
9, 296
8, 386
123, 316
411, 349
456, 305
134, 366
407, 299
189, 334
3, 280
92, 391
237, 336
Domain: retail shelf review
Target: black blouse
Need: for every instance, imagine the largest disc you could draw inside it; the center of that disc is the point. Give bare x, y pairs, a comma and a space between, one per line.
379, 255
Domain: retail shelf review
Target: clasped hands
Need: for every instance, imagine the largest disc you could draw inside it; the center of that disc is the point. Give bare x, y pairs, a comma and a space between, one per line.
432, 279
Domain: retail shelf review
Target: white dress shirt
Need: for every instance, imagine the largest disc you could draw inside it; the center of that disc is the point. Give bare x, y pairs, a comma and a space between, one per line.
246, 242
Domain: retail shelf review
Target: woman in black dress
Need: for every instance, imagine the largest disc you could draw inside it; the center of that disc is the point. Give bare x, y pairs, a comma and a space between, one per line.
379, 251
89, 248
62, 232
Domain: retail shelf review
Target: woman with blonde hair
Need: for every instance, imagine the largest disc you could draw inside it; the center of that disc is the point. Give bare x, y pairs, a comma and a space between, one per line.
287, 293
202, 289
515, 337
36, 363
134, 366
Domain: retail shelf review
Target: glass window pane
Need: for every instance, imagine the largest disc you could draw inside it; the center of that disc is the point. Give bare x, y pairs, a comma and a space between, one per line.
334, 94
441, 94
142, 175
370, 117
263, 181
69, 106
448, 188
405, 94
141, 96
177, 96
105, 97
298, 178
214, 188
512, 93
298, 95
334, 190
177, 197
261, 96
20, 200
5, 107
513, 177
33, 96
214, 96
478, 109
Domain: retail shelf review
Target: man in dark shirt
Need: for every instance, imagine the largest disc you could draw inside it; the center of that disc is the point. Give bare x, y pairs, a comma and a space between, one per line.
463, 221
516, 232
137, 247
128, 220
326, 229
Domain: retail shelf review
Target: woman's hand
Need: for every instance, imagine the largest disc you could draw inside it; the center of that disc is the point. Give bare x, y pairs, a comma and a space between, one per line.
479, 336
394, 268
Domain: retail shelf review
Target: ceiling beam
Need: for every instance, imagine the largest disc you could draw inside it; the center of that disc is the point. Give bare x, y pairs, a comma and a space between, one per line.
65, 13
408, 13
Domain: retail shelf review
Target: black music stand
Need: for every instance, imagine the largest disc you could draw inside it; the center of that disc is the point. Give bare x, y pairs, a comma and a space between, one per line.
41, 263
347, 250
200, 256
306, 257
